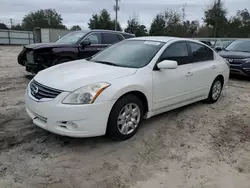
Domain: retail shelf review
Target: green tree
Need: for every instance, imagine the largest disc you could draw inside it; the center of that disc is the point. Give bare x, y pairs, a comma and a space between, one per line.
215, 16
103, 21
3, 26
190, 29
157, 27
75, 28
142, 30
204, 31
119, 28
167, 24
134, 27
239, 25
44, 18
173, 26
17, 27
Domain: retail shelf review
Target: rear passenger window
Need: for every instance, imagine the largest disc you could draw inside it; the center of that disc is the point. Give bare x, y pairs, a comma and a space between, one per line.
109, 38
201, 52
95, 38
177, 52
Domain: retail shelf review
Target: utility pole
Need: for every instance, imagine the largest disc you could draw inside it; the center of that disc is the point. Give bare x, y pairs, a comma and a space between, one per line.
116, 9
11, 23
184, 12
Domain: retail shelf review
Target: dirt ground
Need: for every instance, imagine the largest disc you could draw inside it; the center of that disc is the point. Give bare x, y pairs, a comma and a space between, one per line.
198, 146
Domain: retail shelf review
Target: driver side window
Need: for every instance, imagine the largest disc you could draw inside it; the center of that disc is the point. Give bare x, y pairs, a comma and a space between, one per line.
95, 38
176, 52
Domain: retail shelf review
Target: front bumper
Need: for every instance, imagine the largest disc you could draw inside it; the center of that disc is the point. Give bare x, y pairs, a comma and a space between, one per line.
69, 120
241, 69
20, 58
33, 67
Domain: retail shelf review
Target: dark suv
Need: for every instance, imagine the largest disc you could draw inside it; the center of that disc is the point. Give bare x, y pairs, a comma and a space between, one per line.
73, 46
238, 55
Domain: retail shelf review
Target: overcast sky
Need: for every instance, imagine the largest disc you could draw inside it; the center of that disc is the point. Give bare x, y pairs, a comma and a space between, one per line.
78, 12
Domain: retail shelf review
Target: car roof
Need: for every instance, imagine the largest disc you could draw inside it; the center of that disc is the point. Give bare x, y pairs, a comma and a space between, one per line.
163, 39
104, 30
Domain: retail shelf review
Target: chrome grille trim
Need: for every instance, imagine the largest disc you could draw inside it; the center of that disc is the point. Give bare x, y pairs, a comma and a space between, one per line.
40, 91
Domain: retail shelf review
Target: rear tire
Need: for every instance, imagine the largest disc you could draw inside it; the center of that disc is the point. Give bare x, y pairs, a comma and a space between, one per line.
125, 118
215, 90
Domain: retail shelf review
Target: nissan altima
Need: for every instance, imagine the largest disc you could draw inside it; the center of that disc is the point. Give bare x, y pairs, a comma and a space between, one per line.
111, 92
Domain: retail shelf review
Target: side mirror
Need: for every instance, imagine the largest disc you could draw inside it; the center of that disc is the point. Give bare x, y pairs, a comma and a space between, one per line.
167, 64
218, 48
85, 42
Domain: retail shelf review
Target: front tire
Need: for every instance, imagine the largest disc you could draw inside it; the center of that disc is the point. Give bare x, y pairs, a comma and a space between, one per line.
125, 118
215, 90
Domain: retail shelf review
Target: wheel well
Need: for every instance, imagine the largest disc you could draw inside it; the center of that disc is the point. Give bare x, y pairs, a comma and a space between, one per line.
65, 57
140, 96
221, 78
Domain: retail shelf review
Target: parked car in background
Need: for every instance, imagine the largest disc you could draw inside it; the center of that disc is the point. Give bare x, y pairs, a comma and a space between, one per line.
221, 44
238, 55
111, 92
207, 42
73, 46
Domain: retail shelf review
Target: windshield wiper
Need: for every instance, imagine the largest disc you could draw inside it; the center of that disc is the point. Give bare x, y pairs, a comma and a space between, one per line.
106, 63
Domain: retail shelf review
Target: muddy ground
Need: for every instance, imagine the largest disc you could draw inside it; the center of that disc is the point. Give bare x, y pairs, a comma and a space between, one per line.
199, 145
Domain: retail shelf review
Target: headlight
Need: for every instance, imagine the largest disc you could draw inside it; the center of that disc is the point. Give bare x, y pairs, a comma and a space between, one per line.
86, 94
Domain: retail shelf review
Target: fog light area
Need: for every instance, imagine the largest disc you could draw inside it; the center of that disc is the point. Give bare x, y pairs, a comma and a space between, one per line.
68, 125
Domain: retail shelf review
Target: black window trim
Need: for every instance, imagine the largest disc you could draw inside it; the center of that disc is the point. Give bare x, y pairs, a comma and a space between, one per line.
190, 50
180, 41
109, 33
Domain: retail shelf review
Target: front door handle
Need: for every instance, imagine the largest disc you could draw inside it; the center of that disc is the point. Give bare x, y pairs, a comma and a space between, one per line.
189, 74
214, 67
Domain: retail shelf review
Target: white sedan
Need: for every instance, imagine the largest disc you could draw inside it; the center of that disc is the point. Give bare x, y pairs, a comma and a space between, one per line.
111, 92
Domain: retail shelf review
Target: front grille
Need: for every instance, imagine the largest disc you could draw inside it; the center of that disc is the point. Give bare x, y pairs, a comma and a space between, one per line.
40, 91
235, 61
30, 57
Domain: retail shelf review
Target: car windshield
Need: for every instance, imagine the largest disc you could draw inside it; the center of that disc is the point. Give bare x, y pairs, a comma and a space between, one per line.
239, 46
129, 53
223, 44
71, 38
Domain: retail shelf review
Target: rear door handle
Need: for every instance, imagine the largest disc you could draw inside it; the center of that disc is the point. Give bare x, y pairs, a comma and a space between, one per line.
214, 67
189, 74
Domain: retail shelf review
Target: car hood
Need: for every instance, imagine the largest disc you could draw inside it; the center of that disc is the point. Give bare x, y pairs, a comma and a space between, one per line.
37, 46
234, 55
75, 74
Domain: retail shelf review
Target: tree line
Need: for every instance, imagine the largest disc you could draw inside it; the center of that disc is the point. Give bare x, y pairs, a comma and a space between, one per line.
167, 23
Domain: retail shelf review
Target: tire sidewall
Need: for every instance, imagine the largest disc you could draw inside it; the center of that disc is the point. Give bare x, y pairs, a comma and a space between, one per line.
210, 96
112, 129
